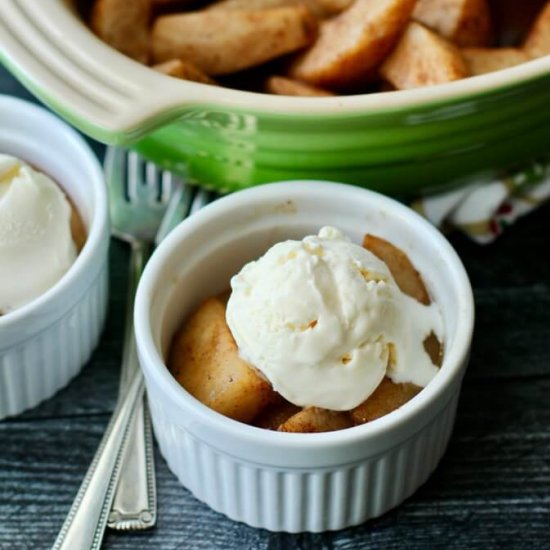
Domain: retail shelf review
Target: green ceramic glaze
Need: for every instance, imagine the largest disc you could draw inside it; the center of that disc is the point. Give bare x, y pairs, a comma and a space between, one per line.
396, 152
83, 125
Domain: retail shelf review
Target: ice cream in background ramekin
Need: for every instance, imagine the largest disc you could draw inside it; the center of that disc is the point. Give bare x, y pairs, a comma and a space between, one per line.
291, 481
36, 242
57, 309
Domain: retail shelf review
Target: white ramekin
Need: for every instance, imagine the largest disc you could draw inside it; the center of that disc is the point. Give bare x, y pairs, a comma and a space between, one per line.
285, 481
46, 342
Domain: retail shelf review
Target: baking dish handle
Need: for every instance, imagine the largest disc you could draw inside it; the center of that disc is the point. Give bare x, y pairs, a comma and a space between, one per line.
101, 92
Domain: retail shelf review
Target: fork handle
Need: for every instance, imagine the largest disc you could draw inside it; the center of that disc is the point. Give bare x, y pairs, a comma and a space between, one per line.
139, 254
134, 504
85, 523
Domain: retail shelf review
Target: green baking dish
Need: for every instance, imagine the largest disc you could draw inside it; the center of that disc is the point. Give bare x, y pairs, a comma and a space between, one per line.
396, 142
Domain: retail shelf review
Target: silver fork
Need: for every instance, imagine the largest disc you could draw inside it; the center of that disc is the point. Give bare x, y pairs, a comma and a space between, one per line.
139, 195
134, 502
138, 198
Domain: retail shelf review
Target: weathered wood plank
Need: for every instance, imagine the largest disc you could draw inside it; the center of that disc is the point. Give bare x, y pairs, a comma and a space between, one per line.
512, 334
495, 474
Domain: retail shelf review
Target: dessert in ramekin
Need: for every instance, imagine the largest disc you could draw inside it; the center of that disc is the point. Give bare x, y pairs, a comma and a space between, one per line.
291, 481
52, 320
316, 335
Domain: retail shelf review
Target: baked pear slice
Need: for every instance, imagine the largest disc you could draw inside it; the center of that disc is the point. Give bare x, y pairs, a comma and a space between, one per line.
183, 70
387, 397
280, 85
423, 58
322, 9
316, 420
488, 60
351, 45
221, 42
124, 25
464, 22
205, 361
537, 43
403, 271
409, 282
276, 414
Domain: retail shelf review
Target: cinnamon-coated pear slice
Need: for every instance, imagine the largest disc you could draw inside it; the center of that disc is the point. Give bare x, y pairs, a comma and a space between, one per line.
315, 420
205, 361
276, 414
387, 397
403, 271
464, 22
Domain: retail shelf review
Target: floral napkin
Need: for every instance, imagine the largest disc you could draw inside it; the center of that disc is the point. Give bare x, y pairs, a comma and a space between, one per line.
483, 210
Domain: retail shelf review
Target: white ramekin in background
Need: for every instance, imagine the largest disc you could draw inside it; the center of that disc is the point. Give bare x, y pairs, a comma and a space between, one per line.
286, 481
46, 342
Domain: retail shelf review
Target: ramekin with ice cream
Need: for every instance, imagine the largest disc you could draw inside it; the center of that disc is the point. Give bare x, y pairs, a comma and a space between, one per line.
54, 237
290, 481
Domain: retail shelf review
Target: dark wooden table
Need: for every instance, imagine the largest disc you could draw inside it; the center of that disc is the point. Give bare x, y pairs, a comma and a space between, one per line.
492, 488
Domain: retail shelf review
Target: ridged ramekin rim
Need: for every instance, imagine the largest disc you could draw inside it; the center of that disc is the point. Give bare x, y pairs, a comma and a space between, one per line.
452, 369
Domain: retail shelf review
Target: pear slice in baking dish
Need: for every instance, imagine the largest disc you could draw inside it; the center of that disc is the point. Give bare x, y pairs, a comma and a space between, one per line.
351, 45
423, 58
320, 8
220, 42
464, 22
123, 25
537, 43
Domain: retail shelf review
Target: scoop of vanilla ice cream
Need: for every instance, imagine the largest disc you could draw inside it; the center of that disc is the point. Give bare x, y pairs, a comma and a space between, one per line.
36, 245
321, 317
